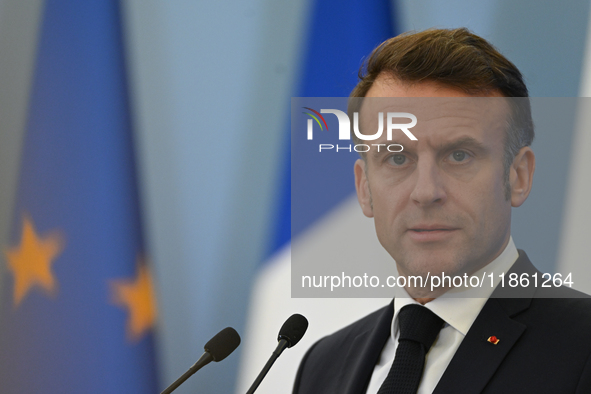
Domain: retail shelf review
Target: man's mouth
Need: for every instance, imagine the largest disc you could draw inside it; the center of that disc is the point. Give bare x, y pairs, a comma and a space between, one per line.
433, 229
430, 233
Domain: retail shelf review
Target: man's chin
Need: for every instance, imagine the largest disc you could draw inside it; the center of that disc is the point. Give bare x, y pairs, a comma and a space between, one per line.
424, 266
420, 276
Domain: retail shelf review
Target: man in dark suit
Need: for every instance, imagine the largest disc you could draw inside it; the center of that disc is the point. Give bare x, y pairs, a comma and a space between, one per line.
443, 205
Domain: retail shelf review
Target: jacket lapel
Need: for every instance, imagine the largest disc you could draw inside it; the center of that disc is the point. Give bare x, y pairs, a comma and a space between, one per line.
364, 352
476, 360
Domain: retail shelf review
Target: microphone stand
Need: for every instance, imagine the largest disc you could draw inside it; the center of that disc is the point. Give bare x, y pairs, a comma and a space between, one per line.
281, 346
203, 361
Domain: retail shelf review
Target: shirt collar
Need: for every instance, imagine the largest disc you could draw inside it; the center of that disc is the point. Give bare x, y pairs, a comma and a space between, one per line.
459, 308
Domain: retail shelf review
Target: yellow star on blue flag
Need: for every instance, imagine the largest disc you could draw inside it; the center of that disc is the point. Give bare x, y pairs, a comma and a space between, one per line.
138, 298
30, 262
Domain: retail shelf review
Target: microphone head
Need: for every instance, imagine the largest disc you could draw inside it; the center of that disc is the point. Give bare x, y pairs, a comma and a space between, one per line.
222, 344
293, 329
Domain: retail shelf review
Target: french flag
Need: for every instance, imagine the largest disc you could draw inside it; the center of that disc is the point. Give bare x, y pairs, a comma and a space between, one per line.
340, 35
575, 247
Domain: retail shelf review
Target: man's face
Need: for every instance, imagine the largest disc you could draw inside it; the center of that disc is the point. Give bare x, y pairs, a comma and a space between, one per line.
440, 204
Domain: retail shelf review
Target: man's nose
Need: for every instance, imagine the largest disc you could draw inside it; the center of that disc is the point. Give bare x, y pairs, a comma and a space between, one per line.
429, 187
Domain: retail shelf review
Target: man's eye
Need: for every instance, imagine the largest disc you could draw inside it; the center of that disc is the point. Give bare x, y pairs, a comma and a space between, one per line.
398, 159
459, 156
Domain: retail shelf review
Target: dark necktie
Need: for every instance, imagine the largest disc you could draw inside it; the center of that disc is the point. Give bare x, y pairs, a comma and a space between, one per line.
418, 328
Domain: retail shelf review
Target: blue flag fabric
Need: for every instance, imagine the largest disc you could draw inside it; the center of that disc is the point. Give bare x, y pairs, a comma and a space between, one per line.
78, 306
341, 34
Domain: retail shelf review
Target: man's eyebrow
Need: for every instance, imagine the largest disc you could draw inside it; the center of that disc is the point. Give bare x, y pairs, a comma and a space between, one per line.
383, 149
464, 142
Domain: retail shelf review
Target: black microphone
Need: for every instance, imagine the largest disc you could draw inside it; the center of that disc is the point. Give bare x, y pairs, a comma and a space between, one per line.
218, 348
291, 332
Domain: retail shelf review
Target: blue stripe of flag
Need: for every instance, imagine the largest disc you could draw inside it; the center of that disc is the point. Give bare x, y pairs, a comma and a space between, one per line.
341, 34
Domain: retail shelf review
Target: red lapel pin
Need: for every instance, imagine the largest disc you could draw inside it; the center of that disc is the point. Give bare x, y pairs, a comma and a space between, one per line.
492, 339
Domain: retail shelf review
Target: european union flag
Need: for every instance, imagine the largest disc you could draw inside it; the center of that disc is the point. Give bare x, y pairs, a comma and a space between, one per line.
78, 306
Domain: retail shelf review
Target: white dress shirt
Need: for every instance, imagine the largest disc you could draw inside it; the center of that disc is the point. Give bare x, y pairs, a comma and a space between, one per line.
458, 313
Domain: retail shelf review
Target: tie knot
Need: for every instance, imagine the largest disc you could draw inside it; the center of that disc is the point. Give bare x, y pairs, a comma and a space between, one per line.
419, 324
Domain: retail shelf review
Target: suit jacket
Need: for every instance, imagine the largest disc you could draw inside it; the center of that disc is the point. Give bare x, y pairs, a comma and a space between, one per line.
544, 347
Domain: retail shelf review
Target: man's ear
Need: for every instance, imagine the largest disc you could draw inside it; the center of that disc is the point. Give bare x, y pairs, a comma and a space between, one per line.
521, 175
362, 187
